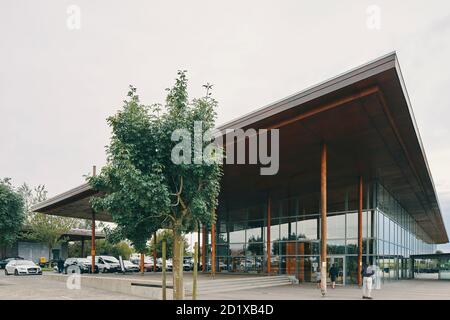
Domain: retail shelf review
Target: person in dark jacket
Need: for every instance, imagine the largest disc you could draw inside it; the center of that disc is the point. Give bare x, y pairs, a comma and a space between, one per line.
60, 265
334, 272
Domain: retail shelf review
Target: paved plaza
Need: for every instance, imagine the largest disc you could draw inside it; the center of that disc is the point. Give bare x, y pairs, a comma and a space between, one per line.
46, 288
399, 290
42, 288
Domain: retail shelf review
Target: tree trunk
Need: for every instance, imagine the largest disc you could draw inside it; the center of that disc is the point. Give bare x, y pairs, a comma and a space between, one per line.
141, 263
177, 265
49, 256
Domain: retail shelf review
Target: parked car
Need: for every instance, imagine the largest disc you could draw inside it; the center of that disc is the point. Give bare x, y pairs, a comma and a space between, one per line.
5, 261
130, 266
19, 267
188, 263
169, 265
106, 263
81, 265
150, 266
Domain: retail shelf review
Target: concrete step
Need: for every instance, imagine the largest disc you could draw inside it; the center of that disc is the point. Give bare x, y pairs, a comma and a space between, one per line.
215, 282
237, 288
226, 285
234, 284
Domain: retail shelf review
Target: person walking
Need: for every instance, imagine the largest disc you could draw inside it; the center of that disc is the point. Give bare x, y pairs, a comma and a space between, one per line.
318, 278
367, 273
334, 272
60, 265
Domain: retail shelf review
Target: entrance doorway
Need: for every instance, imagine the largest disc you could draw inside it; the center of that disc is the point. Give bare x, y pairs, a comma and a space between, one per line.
339, 263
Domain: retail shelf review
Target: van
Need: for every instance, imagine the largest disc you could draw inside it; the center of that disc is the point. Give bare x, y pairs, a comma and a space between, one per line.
106, 263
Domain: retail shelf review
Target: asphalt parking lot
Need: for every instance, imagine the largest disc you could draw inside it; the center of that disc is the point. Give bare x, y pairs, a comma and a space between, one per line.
36, 287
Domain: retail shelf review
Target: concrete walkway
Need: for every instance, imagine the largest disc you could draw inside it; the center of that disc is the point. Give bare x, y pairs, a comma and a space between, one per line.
398, 290
42, 287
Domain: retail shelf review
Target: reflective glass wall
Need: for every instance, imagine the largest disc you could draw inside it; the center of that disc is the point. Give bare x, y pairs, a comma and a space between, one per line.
398, 236
390, 235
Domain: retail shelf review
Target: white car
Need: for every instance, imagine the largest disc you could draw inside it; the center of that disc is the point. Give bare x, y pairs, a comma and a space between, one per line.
18, 267
130, 266
106, 263
169, 265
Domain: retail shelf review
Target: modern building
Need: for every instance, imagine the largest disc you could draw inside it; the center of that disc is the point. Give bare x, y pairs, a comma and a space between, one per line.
353, 185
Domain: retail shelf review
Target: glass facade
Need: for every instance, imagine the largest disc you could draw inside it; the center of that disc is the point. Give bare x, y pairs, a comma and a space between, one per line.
390, 236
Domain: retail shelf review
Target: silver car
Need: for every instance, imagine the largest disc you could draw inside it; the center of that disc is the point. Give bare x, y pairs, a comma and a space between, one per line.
22, 267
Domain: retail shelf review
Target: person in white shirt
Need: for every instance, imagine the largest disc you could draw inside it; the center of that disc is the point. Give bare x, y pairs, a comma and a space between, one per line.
367, 274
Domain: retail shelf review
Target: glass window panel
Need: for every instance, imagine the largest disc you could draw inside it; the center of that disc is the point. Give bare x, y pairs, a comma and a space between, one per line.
367, 224
386, 229
237, 233
379, 247
307, 228
255, 231
222, 250
336, 247
237, 249
284, 231
352, 246
379, 219
237, 264
352, 225
372, 246
275, 264
278, 248
274, 229
336, 227
294, 230
222, 237
254, 264
255, 248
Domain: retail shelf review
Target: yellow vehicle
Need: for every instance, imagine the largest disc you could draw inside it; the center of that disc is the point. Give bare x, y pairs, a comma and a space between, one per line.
42, 261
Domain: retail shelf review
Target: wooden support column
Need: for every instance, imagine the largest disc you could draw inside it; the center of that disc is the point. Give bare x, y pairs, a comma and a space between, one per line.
154, 253
301, 267
93, 242
203, 248
141, 263
323, 209
94, 173
269, 204
360, 240
213, 250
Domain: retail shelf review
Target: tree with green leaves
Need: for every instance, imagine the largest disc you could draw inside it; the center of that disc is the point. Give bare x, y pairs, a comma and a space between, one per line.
11, 213
42, 227
145, 188
31, 197
102, 247
48, 229
166, 235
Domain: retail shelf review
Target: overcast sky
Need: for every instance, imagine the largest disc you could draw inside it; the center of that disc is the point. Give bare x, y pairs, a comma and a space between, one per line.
58, 83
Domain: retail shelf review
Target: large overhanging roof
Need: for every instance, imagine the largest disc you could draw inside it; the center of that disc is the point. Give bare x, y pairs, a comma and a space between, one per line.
365, 117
